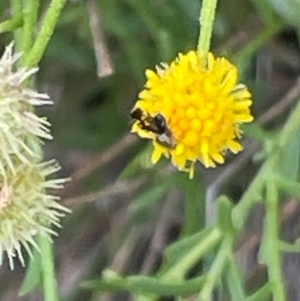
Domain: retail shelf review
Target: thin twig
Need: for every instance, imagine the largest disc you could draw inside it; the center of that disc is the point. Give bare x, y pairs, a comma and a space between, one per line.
127, 188
246, 33
159, 237
104, 158
282, 105
104, 62
123, 255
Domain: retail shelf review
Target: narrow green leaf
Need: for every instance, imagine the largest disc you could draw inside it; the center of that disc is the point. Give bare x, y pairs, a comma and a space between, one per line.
137, 163
290, 187
163, 288
217, 268
189, 257
145, 284
250, 197
289, 159
234, 281
263, 252
224, 215
111, 282
263, 294
11, 24
178, 249
256, 132
149, 197
292, 248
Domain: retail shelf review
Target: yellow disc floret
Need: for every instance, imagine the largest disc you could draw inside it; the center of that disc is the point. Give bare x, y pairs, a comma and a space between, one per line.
203, 106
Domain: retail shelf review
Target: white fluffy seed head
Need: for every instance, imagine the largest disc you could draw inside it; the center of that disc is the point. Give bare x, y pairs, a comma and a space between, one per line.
26, 208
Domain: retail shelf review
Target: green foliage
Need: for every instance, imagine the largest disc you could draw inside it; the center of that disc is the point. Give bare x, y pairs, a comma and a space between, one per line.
33, 275
183, 254
288, 10
149, 198
194, 208
144, 284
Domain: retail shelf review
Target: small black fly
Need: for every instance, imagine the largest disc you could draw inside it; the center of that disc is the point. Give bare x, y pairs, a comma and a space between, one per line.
156, 125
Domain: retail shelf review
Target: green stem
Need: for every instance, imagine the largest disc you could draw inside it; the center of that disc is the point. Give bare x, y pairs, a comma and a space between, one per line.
16, 11
264, 293
11, 24
45, 34
273, 244
217, 269
48, 270
250, 197
207, 18
194, 207
182, 267
30, 14
234, 278
254, 192
291, 126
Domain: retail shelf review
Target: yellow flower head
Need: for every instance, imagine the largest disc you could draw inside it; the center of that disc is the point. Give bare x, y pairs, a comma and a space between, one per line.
192, 110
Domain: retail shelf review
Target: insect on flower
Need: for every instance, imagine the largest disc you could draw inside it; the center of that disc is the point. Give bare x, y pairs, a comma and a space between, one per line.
193, 109
156, 125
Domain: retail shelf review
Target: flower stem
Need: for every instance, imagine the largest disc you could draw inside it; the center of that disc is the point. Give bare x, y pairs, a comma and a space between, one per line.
48, 270
207, 17
30, 14
16, 10
11, 24
43, 38
274, 260
291, 127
